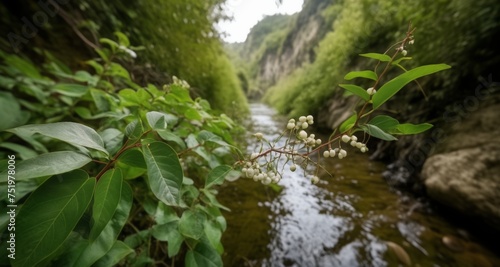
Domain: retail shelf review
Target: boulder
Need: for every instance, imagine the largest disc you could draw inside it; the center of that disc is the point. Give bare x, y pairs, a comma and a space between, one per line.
464, 172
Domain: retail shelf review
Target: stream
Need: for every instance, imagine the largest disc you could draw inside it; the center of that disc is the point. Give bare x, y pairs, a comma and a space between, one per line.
351, 219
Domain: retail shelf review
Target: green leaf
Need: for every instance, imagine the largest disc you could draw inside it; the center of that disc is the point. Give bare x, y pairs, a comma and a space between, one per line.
117, 70
118, 252
377, 56
101, 100
25, 66
408, 128
164, 172
106, 197
49, 215
129, 97
9, 105
356, 90
206, 136
192, 114
157, 120
169, 232
164, 214
377, 132
213, 232
169, 136
348, 124
192, 223
104, 242
72, 90
393, 86
397, 61
22, 151
70, 132
385, 123
97, 66
180, 93
134, 130
113, 139
133, 157
122, 39
48, 164
211, 200
110, 42
203, 255
368, 74
217, 175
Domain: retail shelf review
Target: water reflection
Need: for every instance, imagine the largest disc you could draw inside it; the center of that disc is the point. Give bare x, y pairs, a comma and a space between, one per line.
344, 220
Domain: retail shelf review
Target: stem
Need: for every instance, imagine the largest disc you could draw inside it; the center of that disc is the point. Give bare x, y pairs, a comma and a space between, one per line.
112, 161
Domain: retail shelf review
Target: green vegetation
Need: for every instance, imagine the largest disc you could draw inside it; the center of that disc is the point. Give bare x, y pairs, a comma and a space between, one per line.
457, 32
302, 148
178, 39
265, 38
136, 187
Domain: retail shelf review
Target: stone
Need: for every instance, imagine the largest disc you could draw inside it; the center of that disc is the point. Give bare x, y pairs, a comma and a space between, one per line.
467, 180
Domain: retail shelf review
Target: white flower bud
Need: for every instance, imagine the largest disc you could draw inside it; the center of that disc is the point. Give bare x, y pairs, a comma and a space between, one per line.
353, 143
267, 181
244, 170
360, 145
291, 121
254, 155
371, 91
411, 42
259, 136
315, 179
290, 125
250, 173
310, 117
345, 138
326, 154
354, 138
305, 125
293, 167
404, 53
302, 135
318, 142
302, 118
342, 154
363, 149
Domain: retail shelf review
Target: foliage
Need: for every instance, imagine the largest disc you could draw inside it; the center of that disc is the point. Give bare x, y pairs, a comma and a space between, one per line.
179, 39
110, 172
457, 32
300, 147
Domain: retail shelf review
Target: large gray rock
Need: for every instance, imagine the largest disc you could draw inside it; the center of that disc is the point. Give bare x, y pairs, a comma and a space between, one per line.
465, 171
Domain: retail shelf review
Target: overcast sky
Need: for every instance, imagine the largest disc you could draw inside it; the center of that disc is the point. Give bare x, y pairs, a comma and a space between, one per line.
247, 13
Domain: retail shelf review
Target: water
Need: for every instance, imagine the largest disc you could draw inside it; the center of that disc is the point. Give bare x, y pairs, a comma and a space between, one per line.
344, 220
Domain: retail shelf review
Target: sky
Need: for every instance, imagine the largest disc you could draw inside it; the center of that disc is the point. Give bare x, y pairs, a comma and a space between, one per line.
247, 13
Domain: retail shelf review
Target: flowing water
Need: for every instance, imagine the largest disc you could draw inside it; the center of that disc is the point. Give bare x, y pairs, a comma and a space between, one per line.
350, 219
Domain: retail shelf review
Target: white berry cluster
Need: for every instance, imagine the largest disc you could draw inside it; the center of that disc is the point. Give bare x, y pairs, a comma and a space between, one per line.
180, 82
300, 125
353, 141
340, 153
253, 170
402, 49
